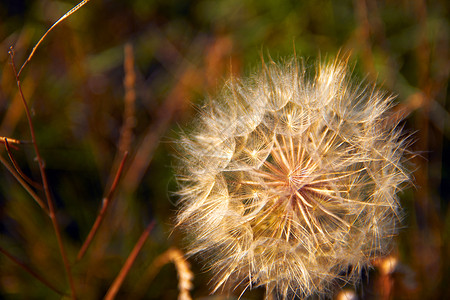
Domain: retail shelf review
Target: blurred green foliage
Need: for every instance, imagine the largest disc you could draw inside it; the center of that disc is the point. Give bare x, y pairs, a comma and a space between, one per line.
183, 50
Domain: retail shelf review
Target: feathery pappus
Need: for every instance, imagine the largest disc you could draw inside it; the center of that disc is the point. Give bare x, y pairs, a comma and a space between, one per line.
290, 179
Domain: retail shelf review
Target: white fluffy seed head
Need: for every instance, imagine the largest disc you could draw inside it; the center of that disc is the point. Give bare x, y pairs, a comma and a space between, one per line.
290, 181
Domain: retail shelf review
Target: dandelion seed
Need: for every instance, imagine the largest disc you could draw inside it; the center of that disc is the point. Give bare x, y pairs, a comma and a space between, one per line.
289, 181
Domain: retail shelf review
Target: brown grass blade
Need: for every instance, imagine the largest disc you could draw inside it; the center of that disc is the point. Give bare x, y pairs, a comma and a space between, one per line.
115, 286
17, 167
185, 275
48, 196
102, 212
129, 119
67, 14
31, 272
24, 185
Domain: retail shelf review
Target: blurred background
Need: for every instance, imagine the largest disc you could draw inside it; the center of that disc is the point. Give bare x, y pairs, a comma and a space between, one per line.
179, 52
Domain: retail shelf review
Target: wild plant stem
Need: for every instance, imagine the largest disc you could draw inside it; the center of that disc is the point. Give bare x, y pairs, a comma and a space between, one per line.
17, 167
30, 271
67, 14
101, 214
24, 185
44, 181
115, 286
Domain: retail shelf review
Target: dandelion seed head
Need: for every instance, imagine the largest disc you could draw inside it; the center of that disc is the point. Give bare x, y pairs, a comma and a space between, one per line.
289, 181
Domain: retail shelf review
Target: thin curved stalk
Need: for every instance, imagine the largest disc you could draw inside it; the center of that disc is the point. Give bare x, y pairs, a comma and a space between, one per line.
44, 181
